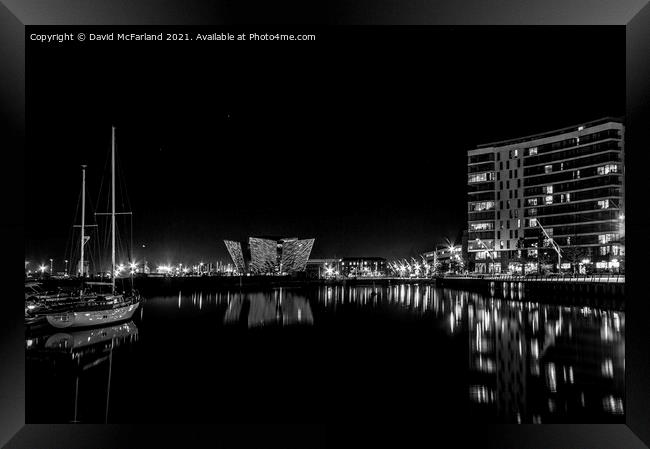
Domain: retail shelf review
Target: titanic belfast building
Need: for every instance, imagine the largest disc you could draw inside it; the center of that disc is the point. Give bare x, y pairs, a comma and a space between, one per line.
270, 255
552, 197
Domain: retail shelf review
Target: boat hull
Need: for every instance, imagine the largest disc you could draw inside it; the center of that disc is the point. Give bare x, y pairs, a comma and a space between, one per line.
92, 318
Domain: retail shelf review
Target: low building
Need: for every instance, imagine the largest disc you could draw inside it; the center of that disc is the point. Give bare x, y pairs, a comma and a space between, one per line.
445, 258
363, 266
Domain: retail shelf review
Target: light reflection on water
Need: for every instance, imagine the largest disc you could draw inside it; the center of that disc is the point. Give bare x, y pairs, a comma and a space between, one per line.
527, 362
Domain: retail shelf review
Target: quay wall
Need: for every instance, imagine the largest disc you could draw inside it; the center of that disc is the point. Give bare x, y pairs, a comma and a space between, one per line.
592, 294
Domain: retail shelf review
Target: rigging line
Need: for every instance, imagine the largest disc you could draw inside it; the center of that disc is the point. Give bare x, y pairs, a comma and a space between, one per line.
126, 203
102, 179
120, 243
125, 192
96, 245
131, 249
120, 181
71, 232
120, 174
104, 244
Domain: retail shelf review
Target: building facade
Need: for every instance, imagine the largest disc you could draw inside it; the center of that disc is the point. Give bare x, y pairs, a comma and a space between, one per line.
533, 197
270, 255
363, 266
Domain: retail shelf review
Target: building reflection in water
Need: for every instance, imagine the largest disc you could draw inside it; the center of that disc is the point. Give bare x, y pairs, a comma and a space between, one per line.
78, 354
277, 307
546, 363
528, 362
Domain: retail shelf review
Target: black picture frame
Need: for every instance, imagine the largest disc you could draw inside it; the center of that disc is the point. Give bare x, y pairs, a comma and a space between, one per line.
16, 14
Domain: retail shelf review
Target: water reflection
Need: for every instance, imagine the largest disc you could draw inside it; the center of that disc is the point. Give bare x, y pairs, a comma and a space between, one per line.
78, 355
83, 341
522, 361
540, 363
277, 307
528, 362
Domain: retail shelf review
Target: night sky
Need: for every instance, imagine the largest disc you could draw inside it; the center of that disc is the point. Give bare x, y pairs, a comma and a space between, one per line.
358, 140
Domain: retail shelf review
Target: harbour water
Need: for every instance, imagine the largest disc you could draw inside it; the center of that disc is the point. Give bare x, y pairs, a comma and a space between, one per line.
406, 352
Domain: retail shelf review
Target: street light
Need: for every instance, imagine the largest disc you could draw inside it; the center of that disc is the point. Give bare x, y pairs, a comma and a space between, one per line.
451, 248
489, 253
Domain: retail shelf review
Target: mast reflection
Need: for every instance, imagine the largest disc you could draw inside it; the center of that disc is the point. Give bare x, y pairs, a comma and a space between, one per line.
78, 355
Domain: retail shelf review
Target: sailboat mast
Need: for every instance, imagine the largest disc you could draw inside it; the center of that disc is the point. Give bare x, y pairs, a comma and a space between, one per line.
83, 217
113, 209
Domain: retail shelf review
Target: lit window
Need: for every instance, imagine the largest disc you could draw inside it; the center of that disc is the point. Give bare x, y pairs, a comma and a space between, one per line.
481, 226
548, 168
607, 169
549, 190
481, 177
603, 204
533, 222
485, 205
548, 199
519, 223
516, 153
606, 238
532, 151
501, 244
532, 201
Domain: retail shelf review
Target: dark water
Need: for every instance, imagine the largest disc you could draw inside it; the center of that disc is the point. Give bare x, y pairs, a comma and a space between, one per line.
402, 353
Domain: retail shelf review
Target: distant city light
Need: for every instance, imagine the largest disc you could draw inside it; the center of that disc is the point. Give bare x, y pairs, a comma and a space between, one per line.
164, 268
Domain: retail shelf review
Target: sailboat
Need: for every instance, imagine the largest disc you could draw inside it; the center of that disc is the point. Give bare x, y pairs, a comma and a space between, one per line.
38, 301
94, 309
